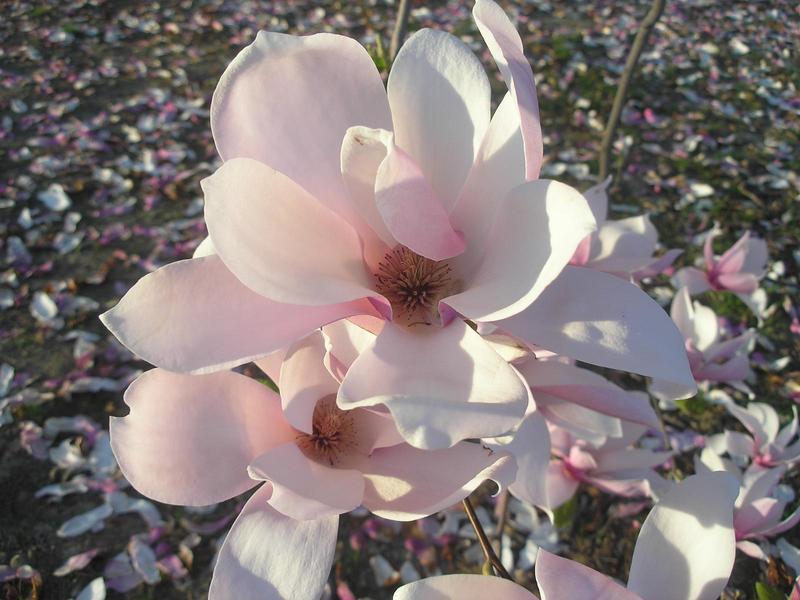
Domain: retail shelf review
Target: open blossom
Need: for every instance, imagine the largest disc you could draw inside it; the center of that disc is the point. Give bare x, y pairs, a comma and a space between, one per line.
200, 439
712, 357
412, 204
759, 505
768, 445
615, 467
624, 247
739, 270
685, 551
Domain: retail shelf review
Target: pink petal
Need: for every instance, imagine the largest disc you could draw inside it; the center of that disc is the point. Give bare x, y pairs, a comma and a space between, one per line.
625, 246
742, 283
194, 316
363, 151
694, 280
759, 482
686, 546
535, 235
628, 459
305, 380
345, 341
304, 489
625, 329
658, 265
588, 389
756, 257
708, 250
732, 260
505, 45
267, 107
758, 515
441, 385
582, 252
697, 323
280, 241
411, 209
404, 483
739, 444
581, 422
530, 446
561, 579
499, 167
597, 197
752, 550
189, 438
458, 587
269, 556
560, 486
781, 527
440, 100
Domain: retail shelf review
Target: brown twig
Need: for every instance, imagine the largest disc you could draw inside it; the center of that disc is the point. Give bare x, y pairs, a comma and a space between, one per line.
624, 83
399, 33
501, 512
486, 545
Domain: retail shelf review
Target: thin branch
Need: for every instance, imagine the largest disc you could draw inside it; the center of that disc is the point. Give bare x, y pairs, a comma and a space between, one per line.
399, 33
486, 545
624, 83
501, 512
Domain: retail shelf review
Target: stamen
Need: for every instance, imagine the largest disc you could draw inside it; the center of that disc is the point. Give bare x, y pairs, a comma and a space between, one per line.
332, 433
412, 283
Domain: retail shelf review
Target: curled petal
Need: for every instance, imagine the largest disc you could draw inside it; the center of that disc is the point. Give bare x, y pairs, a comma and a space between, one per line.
267, 107
600, 319
194, 316
269, 556
189, 438
404, 483
455, 587
280, 241
506, 47
686, 546
440, 100
441, 385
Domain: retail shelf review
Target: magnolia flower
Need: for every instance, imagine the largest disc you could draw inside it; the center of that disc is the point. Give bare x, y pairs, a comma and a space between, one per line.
738, 270
768, 445
624, 247
411, 204
200, 439
615, 467
711, 358
573, 402
758, 509
685, 551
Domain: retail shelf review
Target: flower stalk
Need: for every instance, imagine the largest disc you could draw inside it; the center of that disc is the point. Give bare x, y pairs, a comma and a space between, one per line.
491, 558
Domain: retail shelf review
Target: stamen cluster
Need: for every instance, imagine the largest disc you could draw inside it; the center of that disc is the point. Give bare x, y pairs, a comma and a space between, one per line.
412, 283
333, 433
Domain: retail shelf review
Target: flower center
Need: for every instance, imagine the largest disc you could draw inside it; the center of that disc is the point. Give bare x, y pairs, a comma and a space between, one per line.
413, 284
333, 433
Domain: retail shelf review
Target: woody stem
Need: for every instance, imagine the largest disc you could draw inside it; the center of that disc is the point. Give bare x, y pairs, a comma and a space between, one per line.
483, 540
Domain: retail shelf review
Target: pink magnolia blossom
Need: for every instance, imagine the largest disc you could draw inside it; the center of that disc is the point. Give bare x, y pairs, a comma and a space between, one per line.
712, 358
685, 551
573, 402
412, 204
615, 467
200, 439
738, 270
624, 247
768, 445
758, 510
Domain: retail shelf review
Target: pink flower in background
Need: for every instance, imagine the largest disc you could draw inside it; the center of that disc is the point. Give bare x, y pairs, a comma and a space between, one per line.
768, 445
738, 270
624, 247
615, 467
200, 439
685, 551
760, 503
712, 357
412, 204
